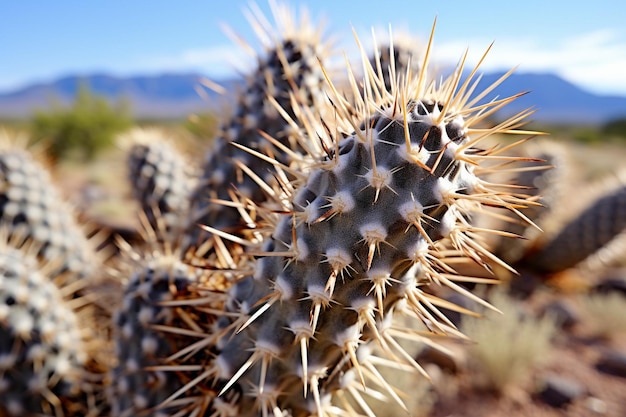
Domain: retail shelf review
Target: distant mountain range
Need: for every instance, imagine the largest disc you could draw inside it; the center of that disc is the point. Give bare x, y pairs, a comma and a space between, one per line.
174, 96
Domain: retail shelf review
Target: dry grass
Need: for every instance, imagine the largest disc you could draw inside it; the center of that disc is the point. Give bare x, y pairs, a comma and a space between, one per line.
606, 314
507, 345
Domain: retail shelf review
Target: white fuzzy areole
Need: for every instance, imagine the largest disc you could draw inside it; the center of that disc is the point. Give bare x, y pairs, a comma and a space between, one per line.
411, 211
348, 335
444, 191
379, 178
338, 258
283, 287
342, 202
418, 250
302, 250
373, 232
416, 155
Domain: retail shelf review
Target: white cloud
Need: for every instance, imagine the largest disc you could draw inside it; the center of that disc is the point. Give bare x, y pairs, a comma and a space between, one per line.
595, 60
214, 61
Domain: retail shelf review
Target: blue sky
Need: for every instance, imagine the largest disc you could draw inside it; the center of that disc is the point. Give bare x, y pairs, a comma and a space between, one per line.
585, 42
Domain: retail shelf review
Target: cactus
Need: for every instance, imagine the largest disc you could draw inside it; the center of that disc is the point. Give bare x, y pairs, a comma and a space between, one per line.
369, 226
593, 229
161, 180
288, 72
29, 200
158, 316
42, 348
547, 186
397, 56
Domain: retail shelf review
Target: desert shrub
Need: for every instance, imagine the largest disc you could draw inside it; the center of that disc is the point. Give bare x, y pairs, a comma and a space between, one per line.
615, 128
202, 126
88, 126
507, 345
587, 135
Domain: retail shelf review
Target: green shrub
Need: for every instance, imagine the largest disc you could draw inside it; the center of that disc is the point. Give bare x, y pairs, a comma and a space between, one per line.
88, 126
202, 126
615, 128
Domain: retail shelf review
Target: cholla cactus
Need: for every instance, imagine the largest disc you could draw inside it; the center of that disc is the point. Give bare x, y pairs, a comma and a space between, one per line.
43, 353
159, 334
600, 223
548, 187
288, 73
29, 200
392, 59
161, 180
369, 228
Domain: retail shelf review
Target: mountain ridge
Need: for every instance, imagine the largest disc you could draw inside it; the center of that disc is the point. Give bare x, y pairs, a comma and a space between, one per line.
176, 95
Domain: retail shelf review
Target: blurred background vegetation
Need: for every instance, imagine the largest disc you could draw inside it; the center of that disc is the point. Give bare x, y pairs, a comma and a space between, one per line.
90, 124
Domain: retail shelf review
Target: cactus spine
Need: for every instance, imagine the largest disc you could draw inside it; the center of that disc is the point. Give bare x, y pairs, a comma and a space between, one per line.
394, 60
366, 235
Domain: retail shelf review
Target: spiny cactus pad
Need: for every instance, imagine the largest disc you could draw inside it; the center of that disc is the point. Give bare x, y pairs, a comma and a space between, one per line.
30, 201
162, 314
161, 179
42, 353
593, 229
286, 74
368, 226
396, 57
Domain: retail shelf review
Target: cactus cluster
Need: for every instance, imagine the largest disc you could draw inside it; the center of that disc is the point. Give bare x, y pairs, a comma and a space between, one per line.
312, 248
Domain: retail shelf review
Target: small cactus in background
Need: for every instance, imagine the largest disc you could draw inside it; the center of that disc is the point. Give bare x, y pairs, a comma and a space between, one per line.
546, 186
287, 73
392, 59
601, 222
366, 235
161, 180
